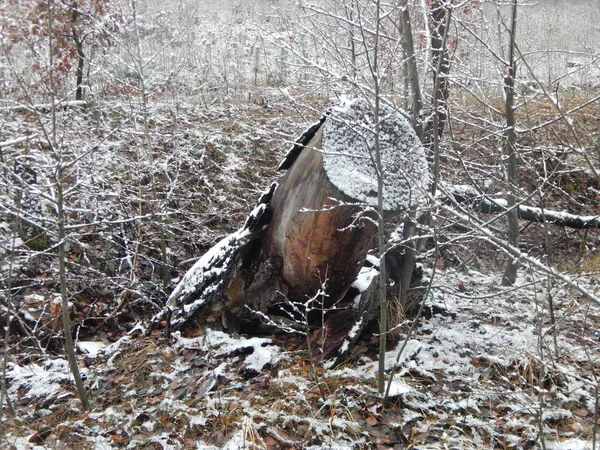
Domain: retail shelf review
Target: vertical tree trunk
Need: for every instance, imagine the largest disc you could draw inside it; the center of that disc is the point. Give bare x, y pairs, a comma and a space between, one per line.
379, 169
510, 273
7, 327
66, 310
440, 91
60, 209
349, 13
413, 73
80, 53
408, 264
139, 66
440, 22
80, 69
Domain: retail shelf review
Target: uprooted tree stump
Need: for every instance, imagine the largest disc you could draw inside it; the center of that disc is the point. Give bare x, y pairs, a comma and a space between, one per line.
291, 266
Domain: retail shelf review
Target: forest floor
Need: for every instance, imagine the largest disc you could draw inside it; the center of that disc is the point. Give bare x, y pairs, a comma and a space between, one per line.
488, 367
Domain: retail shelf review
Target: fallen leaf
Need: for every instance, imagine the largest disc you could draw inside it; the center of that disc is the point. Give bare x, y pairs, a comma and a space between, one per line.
371, 421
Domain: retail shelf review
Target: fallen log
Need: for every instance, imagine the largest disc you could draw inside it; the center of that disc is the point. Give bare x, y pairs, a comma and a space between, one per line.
17, 141
491, 205
45, 107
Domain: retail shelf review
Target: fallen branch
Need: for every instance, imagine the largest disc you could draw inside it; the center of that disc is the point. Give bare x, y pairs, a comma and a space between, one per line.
47, 106
523, 257
16, 141
486, 205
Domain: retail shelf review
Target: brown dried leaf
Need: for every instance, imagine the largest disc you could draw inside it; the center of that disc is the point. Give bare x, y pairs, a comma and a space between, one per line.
371, 421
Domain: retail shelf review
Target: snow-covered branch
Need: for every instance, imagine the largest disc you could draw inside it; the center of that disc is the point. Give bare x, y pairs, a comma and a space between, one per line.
488, 205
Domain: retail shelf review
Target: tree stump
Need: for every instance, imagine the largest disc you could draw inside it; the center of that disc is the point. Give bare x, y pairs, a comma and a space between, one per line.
309, 236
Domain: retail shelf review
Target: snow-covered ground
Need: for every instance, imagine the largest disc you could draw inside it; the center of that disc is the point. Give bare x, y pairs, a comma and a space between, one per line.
485, 373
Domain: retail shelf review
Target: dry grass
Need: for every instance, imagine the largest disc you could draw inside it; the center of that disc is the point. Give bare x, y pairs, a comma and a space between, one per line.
591, 264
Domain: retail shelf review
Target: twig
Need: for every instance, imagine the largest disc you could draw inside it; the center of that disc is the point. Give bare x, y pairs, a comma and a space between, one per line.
3, 388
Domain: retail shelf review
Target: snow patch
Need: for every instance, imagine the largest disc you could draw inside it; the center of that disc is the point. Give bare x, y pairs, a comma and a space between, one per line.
35, 380
91, 348
224, 344
365, 278
399, 388
570, 444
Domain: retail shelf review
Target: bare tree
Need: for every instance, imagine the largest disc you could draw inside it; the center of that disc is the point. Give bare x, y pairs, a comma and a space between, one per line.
74, 30
373, 59
510, 148
405, 26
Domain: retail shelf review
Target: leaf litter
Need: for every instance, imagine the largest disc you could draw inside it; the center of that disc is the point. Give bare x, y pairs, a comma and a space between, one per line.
477, 377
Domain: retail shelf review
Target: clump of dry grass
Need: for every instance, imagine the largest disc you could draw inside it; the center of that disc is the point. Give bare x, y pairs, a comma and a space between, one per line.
591, 264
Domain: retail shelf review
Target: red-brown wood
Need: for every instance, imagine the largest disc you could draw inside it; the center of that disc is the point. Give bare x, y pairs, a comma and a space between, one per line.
316, 237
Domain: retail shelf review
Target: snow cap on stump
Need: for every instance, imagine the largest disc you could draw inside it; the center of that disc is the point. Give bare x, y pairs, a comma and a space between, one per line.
349, 158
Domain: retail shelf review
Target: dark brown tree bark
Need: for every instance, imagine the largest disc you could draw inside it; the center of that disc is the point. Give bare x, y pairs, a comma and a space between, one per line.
78, 40
510, 147
80, 67
440, 20
408, 47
